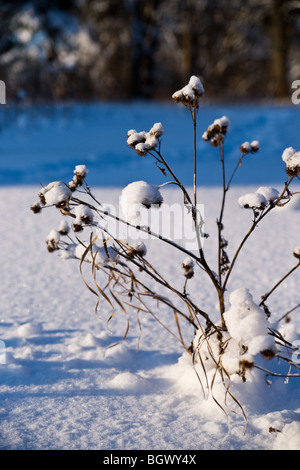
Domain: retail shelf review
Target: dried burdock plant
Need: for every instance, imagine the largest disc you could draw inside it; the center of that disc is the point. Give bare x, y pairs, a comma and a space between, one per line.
218, 350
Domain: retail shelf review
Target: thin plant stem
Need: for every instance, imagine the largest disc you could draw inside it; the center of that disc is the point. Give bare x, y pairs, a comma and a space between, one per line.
234, 171
287, 313
194, 117
201, 257
264, 297
220, 220
254, 225
138, 227
164, 162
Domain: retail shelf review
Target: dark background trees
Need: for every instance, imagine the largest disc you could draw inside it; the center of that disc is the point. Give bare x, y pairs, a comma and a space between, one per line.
123, 49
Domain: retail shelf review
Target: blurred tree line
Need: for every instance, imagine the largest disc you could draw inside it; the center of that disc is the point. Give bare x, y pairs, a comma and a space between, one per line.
123, 49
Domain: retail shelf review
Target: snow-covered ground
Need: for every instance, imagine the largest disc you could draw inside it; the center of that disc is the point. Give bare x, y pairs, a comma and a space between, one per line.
60, 387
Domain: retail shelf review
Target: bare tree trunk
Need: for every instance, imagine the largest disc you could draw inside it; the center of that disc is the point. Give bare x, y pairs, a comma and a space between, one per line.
279, 53
189, 43
143, 46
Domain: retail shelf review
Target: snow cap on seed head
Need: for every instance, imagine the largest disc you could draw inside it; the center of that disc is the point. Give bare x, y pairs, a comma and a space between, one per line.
80, 173
56, 193
215, 133
271, 194
136, 194
296, 252
292, 160
246, 147
253, 201
84, 214
188, 266
64, 227
142, 142
52, 240
139, 248
191, 93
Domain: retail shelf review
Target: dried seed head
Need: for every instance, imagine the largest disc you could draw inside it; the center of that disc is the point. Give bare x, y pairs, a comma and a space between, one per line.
205, 136
191, 93
296, 252
216, 131
136, 138
52, 240
188, 263
196, 85
84, 214
151, 142
81, 171
188, 267
130, 132
223, 243
77, 181
255, 146
222, 124
214, 141
77, 226
42, 198
139, 249
64, 227
36, 208
245, 148
56, 194
268, 354
143, 141
142, 149
157, 130
253, 201
73, 184
245, 364
178, 96
292, 160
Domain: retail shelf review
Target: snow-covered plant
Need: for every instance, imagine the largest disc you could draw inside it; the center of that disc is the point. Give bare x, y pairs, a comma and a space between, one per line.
231, 346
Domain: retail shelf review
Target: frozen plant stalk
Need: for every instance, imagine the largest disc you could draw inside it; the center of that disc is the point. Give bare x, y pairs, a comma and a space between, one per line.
235, 342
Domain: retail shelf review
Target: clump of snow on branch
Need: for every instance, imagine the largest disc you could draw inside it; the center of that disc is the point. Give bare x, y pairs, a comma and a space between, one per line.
215, 133
253, 201
246, 337
64, 227
52, 240
139, 248
190, 94
271, 194
296, 252
143, 142
136, 195
259, 200
292, 160
248, 147
83, 214
247, 323
80, 173
56, 193
188, 266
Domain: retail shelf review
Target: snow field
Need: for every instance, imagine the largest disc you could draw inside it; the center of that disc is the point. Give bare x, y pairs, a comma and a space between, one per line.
62, 388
